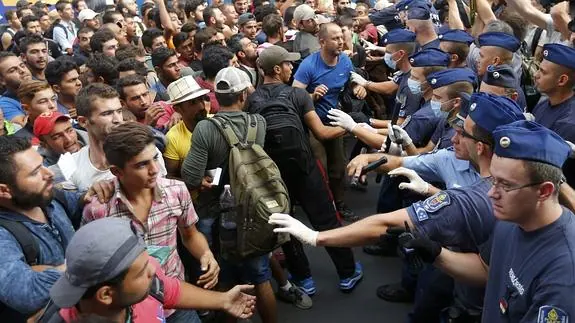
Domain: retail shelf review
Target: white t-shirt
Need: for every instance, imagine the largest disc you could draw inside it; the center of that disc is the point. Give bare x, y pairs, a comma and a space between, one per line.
86, 174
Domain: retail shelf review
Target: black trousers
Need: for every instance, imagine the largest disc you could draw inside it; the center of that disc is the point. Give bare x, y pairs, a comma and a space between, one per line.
312, 192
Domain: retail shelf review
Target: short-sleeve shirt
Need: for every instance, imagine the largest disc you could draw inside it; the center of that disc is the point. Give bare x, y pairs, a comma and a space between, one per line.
421, 125
171, 209
313, 71
442, 135
442, 166
405, 101
178, 142
11, 106
532, 274
547, 114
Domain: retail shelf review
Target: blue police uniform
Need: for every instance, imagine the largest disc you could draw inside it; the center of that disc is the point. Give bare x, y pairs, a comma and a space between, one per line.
504, 76
443, 132
531, 279
403, 97
462, 218
421, 11
442, 166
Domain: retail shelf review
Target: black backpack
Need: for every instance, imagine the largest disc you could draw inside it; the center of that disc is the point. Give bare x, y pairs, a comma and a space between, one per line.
287, 141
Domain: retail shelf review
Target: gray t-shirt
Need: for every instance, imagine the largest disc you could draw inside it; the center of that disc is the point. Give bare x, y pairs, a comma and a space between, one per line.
306, 41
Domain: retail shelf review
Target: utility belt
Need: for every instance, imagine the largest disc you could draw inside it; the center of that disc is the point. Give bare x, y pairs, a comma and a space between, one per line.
455, 314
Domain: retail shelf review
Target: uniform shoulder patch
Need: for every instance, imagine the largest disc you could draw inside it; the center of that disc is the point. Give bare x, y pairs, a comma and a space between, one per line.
552, 314
405, 122
437, 202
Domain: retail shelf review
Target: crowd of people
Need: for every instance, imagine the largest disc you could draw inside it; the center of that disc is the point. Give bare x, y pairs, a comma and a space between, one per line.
115, 127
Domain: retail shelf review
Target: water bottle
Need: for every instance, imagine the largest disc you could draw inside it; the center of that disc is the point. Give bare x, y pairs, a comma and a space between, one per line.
228, 223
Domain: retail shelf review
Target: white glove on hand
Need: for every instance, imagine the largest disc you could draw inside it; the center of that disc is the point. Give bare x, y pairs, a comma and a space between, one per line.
368, 127
394, 149
396, 133
294, 227
369, 46
529, 116
342, 119
416, 183
572, 145
358, 79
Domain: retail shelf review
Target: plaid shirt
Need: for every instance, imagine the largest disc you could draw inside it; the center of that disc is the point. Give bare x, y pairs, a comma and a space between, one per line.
171, 209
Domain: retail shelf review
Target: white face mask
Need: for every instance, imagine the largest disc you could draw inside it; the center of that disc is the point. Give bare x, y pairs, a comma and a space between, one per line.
389, 61
414, 86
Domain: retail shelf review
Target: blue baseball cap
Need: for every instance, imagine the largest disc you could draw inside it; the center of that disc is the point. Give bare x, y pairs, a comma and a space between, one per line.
529, 140
491, 111
500, 75
398, 36
450, 76
560, 54
499, 39
429, 57
457, 36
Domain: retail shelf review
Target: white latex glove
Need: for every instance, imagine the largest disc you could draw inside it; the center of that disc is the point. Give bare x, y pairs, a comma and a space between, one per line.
342, 119
368, 127
396, 133
394, 149
416, 183
572, 145
369, 46
529, 116
294, 227
358, 79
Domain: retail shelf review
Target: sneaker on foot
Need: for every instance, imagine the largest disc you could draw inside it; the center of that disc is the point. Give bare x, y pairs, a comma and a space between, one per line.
346, 213
295, 296
307, 286
395, 293
348, 284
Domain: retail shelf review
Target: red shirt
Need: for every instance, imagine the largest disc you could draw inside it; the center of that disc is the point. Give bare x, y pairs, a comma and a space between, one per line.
150, 310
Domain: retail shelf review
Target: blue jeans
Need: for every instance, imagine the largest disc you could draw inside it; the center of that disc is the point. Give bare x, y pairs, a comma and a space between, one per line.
184, 316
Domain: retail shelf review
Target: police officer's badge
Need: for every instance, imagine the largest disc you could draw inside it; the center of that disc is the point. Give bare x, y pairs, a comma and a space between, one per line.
436, 202
545, 53
433, 81
473, 106
552, 314
440, 36
496, 75
385, 41
504, 142
411, 60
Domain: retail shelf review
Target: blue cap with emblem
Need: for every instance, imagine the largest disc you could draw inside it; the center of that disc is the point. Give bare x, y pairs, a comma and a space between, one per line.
490, 111
500, 75
450, 76
499, 39
560, 54
418, 11
530, 141
457, 36
388, 17
429, 57
398, 36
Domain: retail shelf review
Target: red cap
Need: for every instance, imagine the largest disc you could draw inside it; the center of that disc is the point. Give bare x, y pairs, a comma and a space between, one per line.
44, 123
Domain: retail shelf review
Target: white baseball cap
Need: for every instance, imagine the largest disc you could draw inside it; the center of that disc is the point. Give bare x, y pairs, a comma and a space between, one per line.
231, 80
87, 14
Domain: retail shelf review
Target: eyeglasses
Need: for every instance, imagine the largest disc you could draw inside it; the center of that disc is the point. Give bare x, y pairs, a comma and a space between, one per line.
508, 188
460, 131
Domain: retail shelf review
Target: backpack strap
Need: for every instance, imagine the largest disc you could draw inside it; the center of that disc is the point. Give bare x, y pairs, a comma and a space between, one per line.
24, 237
252, 129
226, 130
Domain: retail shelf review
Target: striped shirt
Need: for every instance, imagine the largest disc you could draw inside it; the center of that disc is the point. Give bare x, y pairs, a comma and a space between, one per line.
171, 209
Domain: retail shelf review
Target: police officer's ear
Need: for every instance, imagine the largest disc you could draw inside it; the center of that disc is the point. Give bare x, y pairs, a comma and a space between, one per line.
563, 80
400, 54
454, 58
457, 103
514, 96
546, 190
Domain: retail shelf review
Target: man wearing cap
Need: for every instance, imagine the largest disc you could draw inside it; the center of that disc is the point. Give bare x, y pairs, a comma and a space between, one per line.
456, 43
89, 18
324, 75
31, 212
109, 273
57, 136
528, 261
419, 21
306, 41
248, 25
460, 218
189, 100
500, 80
160, 208
210, 150
303, 178
555, 79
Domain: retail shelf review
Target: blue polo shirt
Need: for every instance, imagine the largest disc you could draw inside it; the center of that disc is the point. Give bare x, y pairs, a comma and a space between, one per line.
313, 71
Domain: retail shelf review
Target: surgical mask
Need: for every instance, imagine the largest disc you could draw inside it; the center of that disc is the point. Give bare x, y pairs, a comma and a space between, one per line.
414, 86
436, 107
389, 61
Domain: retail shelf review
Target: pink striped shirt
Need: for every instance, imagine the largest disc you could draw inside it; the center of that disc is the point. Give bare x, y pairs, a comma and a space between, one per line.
171, 209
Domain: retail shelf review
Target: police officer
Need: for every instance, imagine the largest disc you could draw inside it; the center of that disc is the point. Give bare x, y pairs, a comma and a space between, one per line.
528, 263
500, 80
456, 43
497, 48
555, 79
419, 21
459, 218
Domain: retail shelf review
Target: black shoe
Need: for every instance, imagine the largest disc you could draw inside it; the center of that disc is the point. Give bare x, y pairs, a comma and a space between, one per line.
378, 250
395, 293
346, 213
